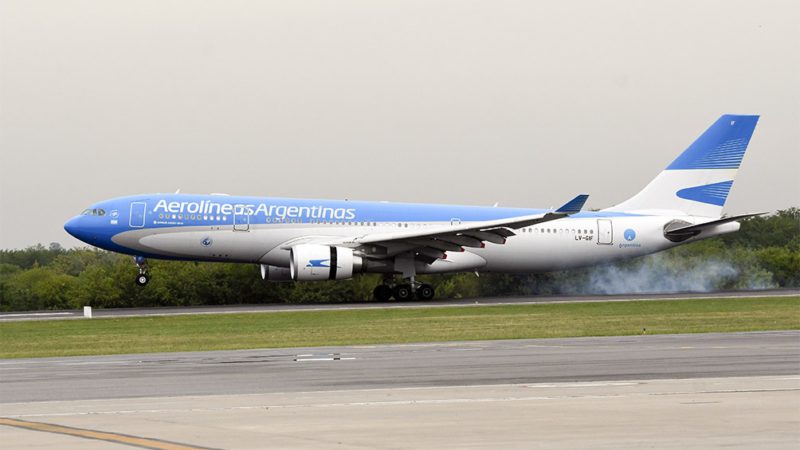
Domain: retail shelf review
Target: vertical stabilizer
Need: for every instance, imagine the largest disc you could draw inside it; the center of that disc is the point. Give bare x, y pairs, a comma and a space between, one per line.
697, 183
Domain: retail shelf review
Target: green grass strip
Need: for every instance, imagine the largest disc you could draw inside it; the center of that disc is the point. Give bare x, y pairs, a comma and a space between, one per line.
386, 326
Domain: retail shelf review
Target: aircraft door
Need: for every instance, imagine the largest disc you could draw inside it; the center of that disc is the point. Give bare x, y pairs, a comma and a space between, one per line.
605, 232
138, 210
241, 220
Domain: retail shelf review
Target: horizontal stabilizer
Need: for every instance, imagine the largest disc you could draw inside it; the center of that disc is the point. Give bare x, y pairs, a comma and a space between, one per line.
574, 206
678, 232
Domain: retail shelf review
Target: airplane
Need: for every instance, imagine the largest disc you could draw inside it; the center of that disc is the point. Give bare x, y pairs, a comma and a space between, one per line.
309, 239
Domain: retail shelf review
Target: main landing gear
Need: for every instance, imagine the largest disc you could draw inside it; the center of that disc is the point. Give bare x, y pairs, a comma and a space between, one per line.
403, 291
143, 276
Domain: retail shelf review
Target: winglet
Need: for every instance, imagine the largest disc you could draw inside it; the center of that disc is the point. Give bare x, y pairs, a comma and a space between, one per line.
573, 206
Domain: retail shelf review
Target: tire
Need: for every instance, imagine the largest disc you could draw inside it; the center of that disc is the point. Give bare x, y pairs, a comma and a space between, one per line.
425, 292
382, 293
402, 292
142, 279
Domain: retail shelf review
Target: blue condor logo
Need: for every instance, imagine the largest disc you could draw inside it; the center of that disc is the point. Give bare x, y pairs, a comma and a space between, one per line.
629, 235
318, 263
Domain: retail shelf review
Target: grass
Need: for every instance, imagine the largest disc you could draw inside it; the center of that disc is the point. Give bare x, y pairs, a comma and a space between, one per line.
384, 326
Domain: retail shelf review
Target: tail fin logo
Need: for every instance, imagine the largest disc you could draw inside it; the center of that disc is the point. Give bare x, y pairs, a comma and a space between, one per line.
713, 194
720, 147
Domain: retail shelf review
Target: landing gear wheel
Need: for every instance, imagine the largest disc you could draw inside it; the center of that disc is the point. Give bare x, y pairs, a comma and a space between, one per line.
142, 279
402, 292
382, 293
425, 292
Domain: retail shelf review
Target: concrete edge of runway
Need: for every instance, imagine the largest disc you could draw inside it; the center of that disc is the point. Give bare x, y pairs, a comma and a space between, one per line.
445, 303
690, 413
687, 390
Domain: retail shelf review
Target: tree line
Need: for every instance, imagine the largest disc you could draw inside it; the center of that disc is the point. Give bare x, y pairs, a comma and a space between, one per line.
765, 253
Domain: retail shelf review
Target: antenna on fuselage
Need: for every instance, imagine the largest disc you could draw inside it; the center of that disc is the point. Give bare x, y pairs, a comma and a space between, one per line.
178, 191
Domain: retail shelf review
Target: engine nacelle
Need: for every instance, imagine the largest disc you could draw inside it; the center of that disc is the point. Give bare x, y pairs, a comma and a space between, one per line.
275, 273
310, 262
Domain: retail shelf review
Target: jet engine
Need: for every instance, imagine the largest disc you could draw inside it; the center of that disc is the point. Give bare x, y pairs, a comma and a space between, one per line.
309, 262
275, 273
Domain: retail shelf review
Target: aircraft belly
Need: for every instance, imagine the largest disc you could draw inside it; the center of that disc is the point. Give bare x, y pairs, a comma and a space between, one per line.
202, 243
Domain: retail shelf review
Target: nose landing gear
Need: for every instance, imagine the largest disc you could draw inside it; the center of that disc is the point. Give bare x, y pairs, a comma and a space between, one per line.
142, 279
143, 276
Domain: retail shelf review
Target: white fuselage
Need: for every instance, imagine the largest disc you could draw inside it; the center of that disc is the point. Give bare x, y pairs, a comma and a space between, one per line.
565, 243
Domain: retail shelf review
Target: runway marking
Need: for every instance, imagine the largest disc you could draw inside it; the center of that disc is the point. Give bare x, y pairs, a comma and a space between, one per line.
28, 316
579, 384
116, 438
4, 316
322, 357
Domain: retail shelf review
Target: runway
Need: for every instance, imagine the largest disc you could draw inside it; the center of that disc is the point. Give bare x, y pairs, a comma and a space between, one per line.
439, 303
407, 365
689, 391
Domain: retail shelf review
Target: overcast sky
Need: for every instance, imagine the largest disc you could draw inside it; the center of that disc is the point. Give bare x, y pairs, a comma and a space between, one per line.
518, 102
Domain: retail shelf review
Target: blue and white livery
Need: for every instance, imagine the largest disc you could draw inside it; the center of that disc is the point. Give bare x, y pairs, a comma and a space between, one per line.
304, 240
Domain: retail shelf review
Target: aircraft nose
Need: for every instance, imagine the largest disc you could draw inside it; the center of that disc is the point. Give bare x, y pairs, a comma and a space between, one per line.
79, 229
71, 226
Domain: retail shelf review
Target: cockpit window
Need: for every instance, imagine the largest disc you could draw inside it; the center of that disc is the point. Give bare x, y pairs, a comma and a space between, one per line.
93, 212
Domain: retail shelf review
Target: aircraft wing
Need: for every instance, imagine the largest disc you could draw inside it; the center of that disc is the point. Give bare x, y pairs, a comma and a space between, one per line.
431, 243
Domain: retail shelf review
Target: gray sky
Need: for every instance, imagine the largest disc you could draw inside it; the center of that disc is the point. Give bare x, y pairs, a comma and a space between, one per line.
523, 103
